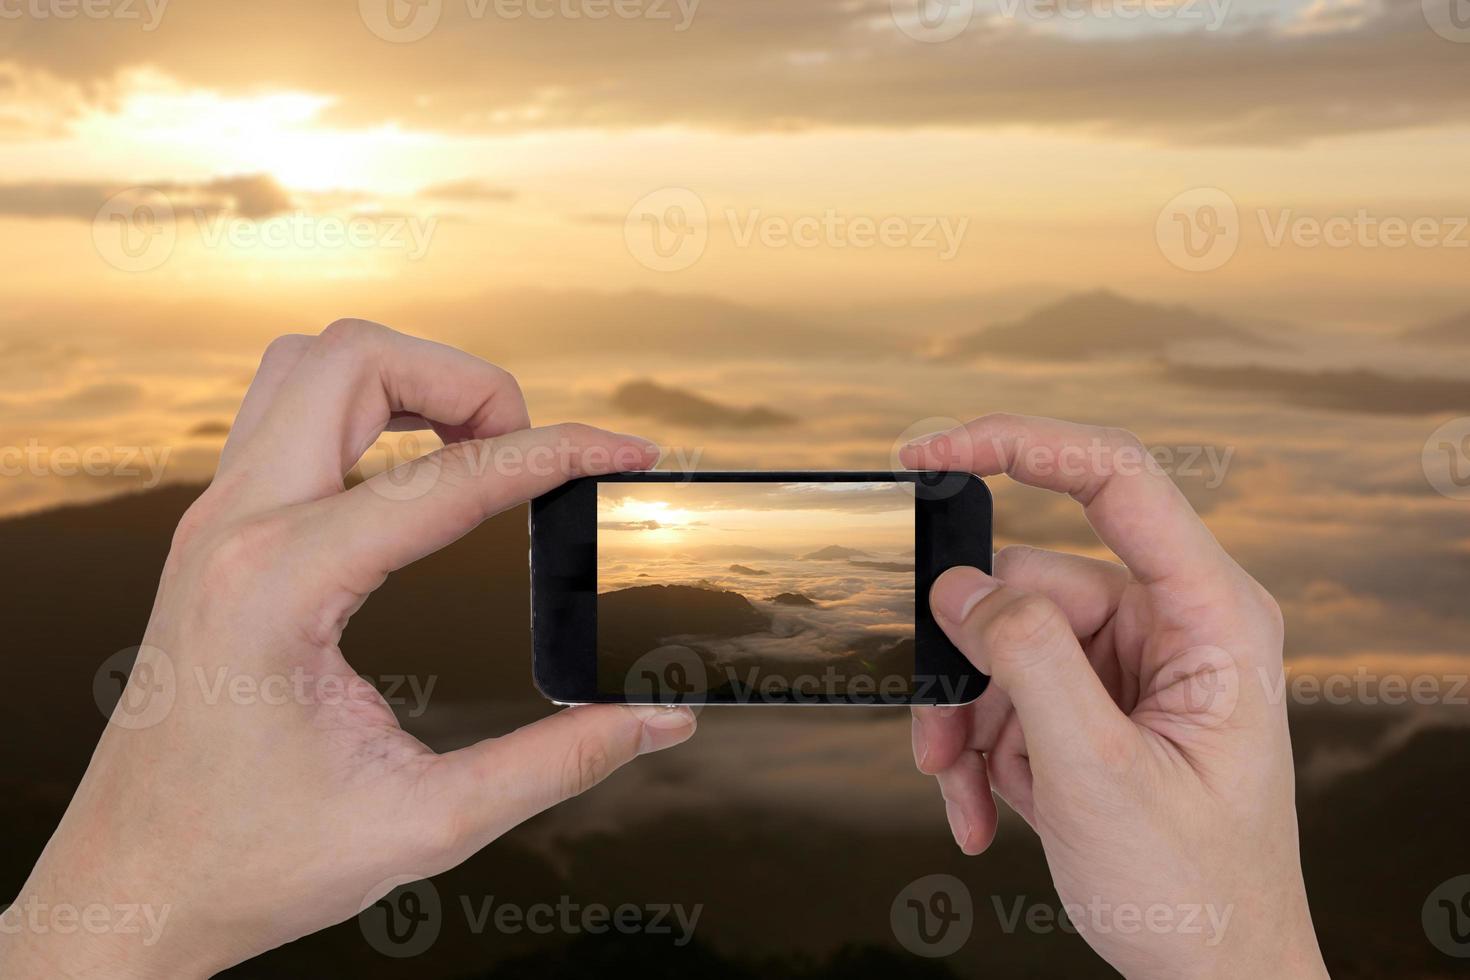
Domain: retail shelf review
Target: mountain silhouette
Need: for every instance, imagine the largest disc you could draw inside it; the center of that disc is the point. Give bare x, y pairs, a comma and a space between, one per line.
1097, 323
746, 570
673, 406
834, 551
791, 599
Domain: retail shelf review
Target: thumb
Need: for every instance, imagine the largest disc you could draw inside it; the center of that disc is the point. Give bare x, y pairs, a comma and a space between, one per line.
491, 786
1024, 642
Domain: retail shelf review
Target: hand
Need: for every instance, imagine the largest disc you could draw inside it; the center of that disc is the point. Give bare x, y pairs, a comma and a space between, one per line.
244, 823
1128, 718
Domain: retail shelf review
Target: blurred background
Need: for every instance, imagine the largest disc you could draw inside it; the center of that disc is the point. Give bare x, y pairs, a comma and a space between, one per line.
770, 234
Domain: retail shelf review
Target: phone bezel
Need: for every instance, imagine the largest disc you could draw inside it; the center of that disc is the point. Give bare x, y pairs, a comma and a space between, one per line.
952, 526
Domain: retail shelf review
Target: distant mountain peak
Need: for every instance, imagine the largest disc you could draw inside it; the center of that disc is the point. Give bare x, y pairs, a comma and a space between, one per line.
833, 551
1451, 330
1097, 323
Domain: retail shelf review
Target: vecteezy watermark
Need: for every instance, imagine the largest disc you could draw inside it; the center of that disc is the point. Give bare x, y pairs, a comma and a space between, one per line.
148, 13
1100, 458
932, 21
1361, 686
395, 470
409, 917
124, 462
1446, 917
137, 230
1446, 459
1100, 917
28, 914
1450, 19
932, 916
1210, 13
135, 688
406, 21
1200, 230
668, 230
138, 687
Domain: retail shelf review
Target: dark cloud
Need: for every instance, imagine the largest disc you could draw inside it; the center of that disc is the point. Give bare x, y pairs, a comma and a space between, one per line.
210, 429
628, 525
1358, 390
255, 197
675, 407
1451, 330
775, 65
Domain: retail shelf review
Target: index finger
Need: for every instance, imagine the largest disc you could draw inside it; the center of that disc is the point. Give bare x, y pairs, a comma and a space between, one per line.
1129, 500
345, 390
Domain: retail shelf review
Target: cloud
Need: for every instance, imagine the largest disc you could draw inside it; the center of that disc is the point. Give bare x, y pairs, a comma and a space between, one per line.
628, 525
1359, 390
467, 190
254, 196
675, 407
1268, 79
1451, 330
210, 428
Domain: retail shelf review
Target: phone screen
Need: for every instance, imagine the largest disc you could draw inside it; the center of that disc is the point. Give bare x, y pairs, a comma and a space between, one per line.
744, 591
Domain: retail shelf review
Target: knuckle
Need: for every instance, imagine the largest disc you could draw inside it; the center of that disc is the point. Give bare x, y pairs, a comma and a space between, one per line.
587, 763
285, 348
1027, 625
1120, 438
1013, 558
351, 334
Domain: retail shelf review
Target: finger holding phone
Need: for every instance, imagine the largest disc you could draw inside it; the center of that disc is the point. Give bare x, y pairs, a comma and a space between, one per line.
1129, 718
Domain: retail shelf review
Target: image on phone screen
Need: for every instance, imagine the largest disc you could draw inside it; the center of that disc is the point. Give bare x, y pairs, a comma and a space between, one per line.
756, 589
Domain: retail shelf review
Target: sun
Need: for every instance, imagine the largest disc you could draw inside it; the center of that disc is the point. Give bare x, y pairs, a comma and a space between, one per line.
672, 521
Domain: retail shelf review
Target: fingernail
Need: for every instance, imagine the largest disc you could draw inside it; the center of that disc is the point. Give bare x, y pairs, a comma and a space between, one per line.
914, 445
663, 727
921, 744
958, 825
957, 591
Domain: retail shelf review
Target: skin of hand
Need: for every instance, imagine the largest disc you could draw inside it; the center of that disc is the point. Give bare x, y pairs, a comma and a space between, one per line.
254, 821
1130, 718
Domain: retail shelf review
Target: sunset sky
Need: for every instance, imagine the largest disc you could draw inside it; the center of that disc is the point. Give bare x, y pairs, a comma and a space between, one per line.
800, 214
781, 519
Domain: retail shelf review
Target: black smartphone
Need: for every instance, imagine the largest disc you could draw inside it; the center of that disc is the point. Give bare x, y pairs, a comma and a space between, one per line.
752, 587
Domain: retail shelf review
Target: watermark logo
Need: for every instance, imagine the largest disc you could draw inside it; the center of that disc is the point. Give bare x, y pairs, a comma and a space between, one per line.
671, 674
406, 919
29, 914
144, 463
408, 471
135, 688
933, 916
134, 230
1446, 459
1446, 917
149, 13
401, 21
1199, 230
932, 21
1099, 917
667, 230
1450, 19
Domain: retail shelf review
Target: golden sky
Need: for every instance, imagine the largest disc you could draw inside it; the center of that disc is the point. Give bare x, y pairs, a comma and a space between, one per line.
802, 213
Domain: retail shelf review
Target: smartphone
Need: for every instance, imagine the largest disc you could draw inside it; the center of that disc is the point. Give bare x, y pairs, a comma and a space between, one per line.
752, 587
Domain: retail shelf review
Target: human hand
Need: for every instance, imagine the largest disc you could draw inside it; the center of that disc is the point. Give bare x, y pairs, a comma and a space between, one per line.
1129, 719
246, 823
